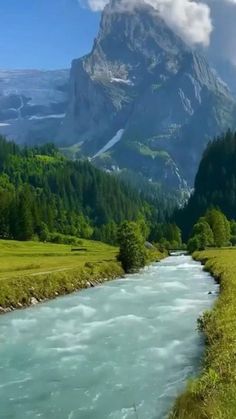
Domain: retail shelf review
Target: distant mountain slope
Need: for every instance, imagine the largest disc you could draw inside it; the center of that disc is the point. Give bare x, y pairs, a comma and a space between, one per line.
143, 100
32, 104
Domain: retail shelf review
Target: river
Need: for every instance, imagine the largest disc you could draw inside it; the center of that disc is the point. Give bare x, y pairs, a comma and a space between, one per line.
119, 351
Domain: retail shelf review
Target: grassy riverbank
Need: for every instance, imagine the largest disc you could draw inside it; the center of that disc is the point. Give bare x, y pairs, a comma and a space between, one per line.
33, 271
212, 395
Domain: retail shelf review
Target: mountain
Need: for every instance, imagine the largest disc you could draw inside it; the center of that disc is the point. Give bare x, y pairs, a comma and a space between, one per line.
32, 104
215, 183
143, 100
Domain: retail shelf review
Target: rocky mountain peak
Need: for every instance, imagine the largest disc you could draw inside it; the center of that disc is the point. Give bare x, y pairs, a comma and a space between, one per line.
136, 35
143, 99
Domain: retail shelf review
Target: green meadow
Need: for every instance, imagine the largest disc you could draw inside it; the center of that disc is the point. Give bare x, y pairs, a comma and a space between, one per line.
33, 270
20, 258
45, 270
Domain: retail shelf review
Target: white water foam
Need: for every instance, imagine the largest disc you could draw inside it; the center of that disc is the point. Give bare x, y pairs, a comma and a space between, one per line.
121, 350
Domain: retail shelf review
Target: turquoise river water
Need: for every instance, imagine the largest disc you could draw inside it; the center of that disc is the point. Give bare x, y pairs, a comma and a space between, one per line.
119, 351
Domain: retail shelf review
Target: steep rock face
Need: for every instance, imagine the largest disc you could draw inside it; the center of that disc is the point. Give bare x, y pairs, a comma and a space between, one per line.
106, 84
32, 104
143, 81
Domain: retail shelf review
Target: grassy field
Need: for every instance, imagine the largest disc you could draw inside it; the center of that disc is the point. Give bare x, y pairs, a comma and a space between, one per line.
213, 394
21, 258
44, 270
31, 271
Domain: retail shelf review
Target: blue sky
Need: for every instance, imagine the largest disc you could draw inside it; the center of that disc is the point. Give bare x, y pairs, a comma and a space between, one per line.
50, 33
44, 33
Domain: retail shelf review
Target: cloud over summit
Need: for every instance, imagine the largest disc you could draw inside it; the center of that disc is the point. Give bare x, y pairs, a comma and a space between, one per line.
190, 19
210, 23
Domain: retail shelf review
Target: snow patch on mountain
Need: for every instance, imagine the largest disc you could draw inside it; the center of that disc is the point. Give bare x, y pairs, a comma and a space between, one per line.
123, 81
110, 143
55, 116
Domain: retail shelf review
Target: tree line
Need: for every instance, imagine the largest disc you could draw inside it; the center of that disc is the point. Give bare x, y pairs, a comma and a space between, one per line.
212, 230
43, 195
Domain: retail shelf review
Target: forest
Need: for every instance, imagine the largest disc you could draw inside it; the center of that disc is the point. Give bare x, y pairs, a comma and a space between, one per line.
215, 184
45, 196
41, 192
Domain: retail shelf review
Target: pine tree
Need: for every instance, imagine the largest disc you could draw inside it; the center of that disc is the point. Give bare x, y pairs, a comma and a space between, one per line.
24, 222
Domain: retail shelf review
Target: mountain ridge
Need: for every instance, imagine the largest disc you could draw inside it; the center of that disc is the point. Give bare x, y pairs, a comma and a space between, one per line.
141, 78
142, 100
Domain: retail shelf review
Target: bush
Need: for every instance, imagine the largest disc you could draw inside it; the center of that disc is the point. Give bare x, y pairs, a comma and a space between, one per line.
63, 239
194, 244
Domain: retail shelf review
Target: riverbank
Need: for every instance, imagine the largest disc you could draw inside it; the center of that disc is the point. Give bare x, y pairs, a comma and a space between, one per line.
32, 272
212, 395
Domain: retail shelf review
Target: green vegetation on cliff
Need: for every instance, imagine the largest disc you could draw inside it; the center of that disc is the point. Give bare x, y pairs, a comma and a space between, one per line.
212, 395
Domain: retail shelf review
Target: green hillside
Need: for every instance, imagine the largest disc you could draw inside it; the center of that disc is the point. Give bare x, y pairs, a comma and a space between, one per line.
43, 194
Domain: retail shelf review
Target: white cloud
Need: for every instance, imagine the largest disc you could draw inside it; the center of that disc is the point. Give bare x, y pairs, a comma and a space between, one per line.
97, 5
189, 18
